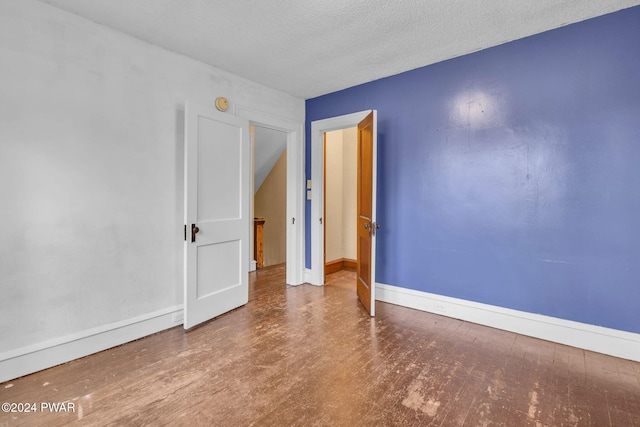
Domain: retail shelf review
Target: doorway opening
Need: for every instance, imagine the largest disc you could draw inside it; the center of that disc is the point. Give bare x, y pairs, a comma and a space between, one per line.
340, 200
366, 123
318, 130
269, 149
294, 217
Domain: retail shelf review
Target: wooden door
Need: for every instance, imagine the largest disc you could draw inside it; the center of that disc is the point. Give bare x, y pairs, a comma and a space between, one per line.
366, 212
217, 181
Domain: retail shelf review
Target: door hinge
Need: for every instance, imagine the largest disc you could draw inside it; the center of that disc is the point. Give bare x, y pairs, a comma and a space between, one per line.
185, 232
293, 220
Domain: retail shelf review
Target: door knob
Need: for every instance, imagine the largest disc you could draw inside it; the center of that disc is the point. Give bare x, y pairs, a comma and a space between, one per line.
194, 231
367, 225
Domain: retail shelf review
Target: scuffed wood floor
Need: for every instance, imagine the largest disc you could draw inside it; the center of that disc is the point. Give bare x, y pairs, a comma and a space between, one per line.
310, 356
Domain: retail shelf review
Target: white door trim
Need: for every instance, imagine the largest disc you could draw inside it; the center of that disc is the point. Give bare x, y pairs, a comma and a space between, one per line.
318, 128
295, 186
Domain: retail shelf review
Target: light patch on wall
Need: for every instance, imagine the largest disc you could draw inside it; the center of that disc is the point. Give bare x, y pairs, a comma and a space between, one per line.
477, 109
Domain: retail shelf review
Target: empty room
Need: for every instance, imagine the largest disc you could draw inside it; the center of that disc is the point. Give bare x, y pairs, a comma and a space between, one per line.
487, 264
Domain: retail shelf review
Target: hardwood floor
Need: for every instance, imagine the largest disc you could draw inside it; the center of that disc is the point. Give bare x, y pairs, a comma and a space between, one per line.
310, 356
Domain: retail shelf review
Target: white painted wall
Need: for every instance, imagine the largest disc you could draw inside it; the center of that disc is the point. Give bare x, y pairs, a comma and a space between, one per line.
341, 192
91, 172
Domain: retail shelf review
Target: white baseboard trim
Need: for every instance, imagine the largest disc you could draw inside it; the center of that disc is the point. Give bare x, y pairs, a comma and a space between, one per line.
253, 265
613, 342
307, 275
36, 357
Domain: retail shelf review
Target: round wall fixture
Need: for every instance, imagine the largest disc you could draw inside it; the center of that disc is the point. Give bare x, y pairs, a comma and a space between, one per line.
222, 103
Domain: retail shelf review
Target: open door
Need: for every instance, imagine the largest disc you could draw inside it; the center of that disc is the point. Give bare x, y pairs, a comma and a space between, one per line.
217, 180
366, 209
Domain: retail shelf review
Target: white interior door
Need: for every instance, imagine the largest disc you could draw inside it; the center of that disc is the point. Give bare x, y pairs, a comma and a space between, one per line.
217, 181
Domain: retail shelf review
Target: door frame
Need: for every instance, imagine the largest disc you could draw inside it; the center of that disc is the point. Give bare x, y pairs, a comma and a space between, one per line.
318, 129
295, 187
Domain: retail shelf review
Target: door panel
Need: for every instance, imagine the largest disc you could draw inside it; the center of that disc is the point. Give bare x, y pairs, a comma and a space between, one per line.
366, 212
217, 179
213, 277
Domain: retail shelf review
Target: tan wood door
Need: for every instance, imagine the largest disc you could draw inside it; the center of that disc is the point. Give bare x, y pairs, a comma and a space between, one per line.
366, 212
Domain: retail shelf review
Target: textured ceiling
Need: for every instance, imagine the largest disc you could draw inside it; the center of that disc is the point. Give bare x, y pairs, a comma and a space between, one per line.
310, 48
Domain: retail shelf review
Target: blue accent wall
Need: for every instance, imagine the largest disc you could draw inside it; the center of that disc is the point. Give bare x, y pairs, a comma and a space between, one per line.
511, 176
